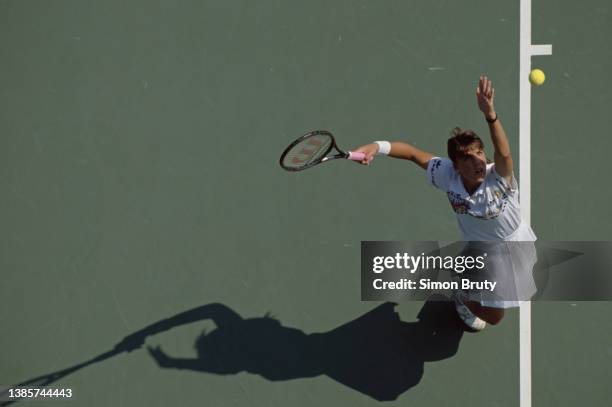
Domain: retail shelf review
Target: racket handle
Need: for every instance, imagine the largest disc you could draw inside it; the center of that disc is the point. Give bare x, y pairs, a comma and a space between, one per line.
356, 156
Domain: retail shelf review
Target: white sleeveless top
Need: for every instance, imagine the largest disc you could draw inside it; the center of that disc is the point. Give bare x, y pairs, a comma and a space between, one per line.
492, 212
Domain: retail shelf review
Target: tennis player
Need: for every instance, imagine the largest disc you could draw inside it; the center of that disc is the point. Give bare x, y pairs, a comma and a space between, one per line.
484, 197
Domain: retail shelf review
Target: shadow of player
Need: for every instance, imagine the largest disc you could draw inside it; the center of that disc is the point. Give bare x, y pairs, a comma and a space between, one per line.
376, 354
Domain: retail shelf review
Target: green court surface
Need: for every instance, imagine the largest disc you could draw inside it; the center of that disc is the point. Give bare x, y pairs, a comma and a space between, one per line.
139, 147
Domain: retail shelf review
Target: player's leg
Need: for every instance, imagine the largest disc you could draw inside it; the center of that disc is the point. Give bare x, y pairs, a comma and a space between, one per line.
489, 314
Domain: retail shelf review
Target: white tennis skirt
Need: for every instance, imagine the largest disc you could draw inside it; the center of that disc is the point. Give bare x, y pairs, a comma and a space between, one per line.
509, 263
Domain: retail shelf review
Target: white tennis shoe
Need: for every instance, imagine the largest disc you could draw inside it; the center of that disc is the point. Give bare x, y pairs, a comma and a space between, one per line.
468, 317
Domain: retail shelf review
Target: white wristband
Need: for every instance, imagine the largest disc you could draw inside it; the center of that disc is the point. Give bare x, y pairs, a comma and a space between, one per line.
384, 147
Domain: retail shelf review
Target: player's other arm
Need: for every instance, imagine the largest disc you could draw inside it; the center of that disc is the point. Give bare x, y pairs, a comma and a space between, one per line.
502, 156
398, 149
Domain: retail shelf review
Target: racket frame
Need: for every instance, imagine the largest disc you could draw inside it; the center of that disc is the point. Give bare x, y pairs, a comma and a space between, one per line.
325, 158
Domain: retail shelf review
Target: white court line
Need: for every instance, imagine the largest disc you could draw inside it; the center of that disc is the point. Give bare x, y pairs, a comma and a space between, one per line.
541, 49
527, 50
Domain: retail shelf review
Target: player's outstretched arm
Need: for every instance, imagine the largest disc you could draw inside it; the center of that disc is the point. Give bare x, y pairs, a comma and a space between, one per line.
220, 314
502, 156
398, 149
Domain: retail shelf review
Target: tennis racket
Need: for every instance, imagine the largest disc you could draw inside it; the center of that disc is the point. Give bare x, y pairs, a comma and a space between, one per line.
314, 148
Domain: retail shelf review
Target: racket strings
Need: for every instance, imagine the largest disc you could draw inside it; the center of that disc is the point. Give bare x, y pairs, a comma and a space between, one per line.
307, 151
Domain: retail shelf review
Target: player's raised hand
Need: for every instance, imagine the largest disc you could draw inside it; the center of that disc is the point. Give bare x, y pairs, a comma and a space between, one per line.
485, 95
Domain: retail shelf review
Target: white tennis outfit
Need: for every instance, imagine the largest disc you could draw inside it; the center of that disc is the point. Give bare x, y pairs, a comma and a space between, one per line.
491, 214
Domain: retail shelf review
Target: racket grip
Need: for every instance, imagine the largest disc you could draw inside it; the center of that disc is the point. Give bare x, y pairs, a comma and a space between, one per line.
356, 156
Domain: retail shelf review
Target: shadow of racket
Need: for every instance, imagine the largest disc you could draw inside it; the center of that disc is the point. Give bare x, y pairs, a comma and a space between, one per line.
128, 344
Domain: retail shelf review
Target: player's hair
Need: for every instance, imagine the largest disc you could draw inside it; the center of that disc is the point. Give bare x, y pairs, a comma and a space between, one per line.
460, 141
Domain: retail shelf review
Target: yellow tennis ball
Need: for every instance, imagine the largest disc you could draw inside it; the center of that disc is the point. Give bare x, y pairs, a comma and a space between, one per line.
537, 77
